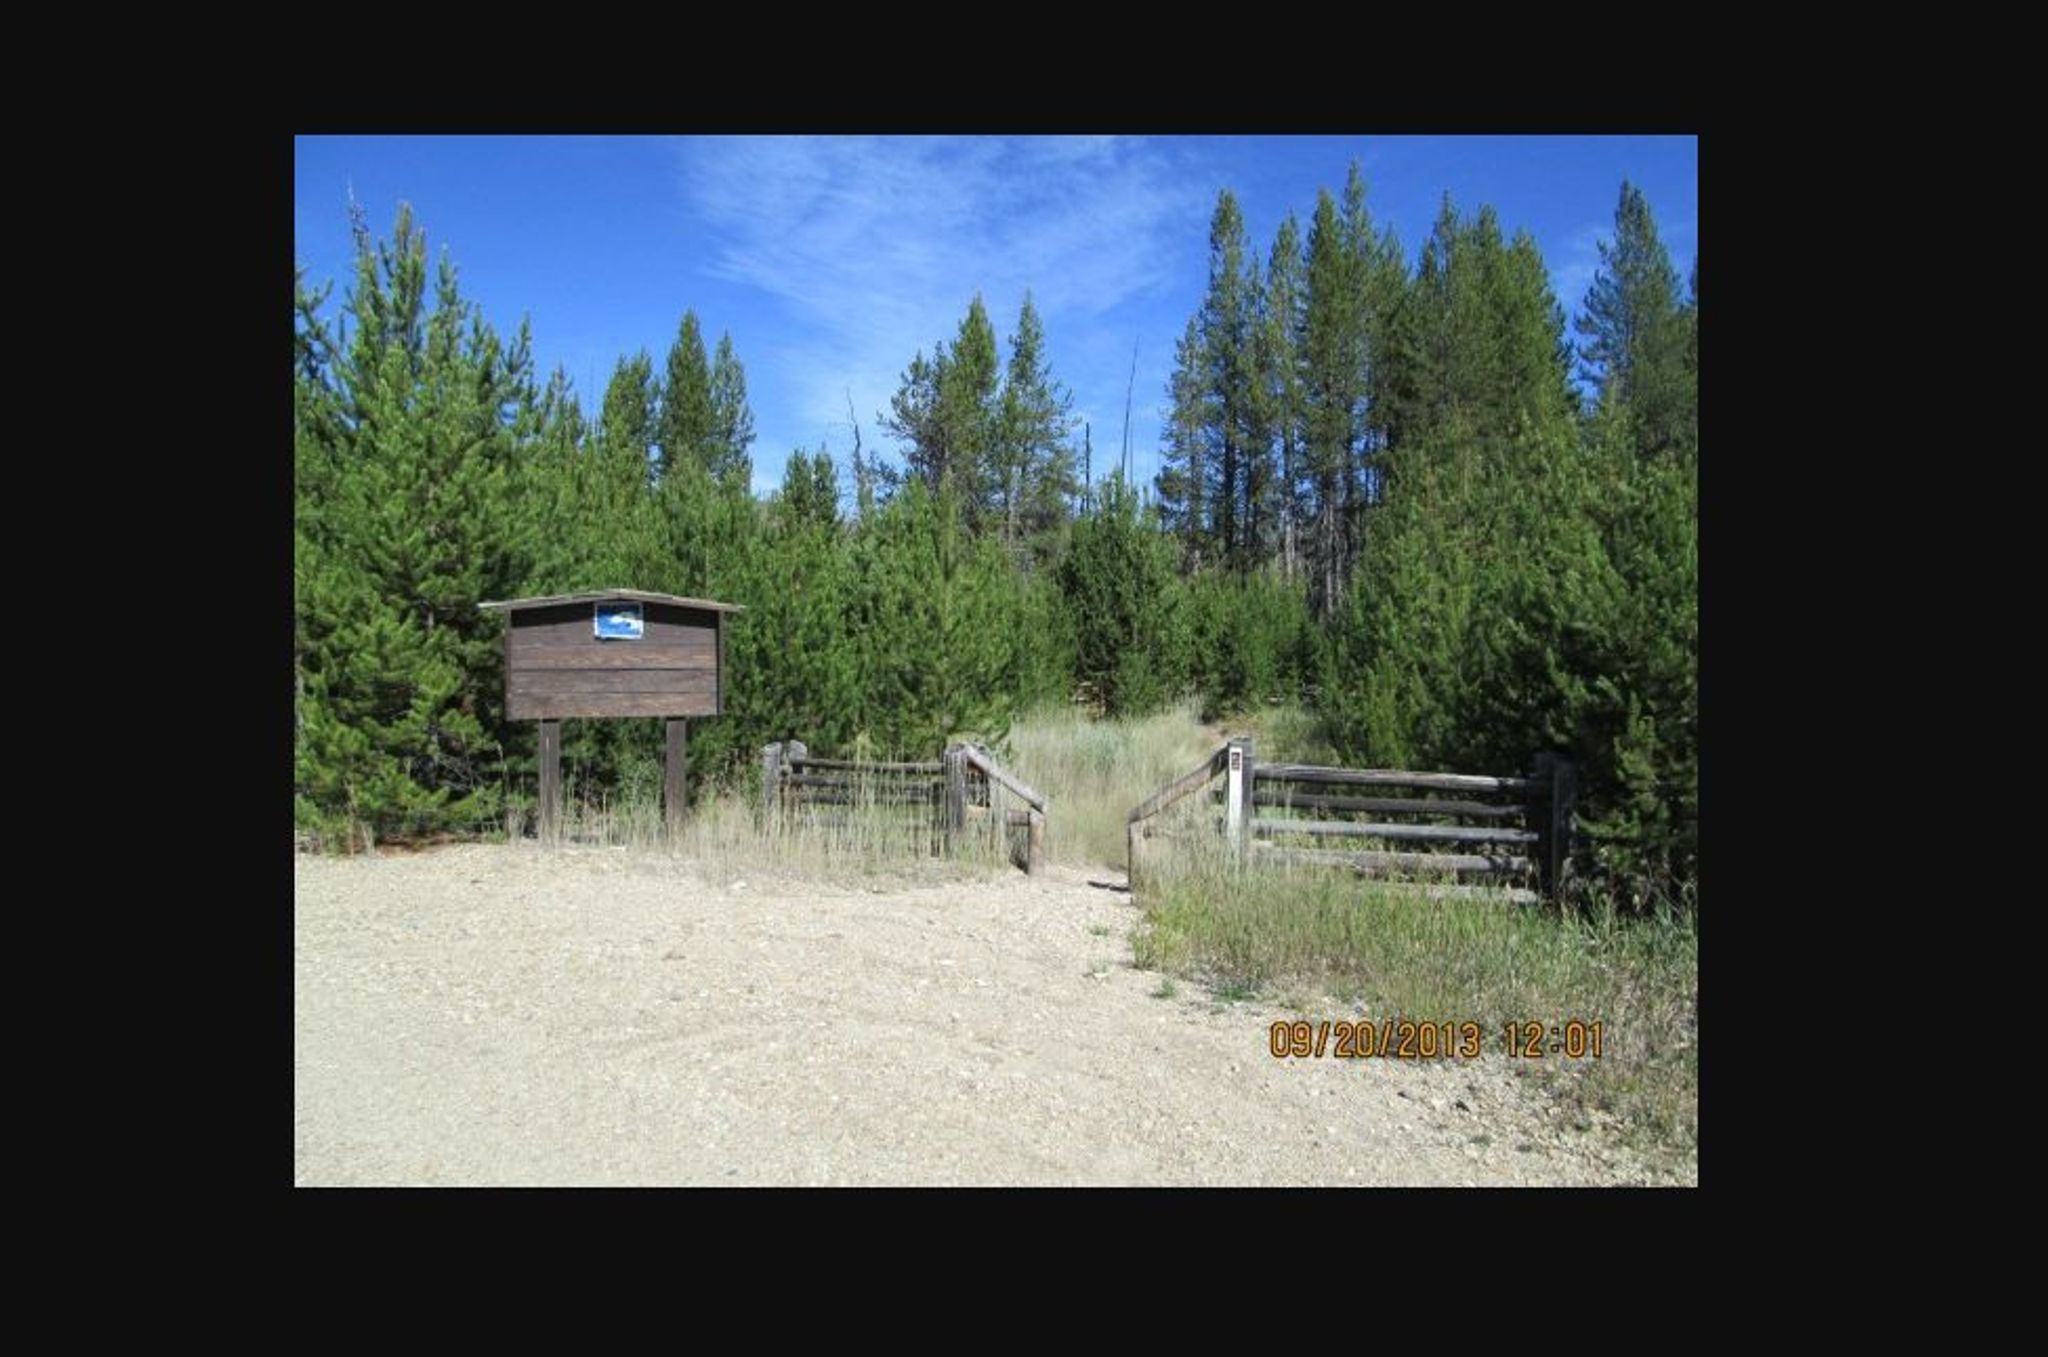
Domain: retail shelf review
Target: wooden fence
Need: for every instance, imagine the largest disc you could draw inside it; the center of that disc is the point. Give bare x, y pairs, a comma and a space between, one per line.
943, 801
1383, 822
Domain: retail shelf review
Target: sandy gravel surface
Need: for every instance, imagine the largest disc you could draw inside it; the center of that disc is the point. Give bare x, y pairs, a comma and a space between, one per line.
503, 1015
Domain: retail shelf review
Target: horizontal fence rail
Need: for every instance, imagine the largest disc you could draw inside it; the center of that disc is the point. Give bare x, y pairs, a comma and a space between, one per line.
1384, 777
946, 798
1306, 813
1350, 829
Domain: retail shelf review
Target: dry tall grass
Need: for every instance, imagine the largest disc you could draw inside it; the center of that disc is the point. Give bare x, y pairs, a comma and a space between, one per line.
725, 836
1092, 772
1316, 937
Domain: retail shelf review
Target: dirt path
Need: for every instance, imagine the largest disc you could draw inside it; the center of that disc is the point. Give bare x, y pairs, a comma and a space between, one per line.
503, 1015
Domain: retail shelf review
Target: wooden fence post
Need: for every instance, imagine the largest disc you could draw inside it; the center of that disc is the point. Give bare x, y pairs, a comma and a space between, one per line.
1237, 794
550, 781
1246, 808
675, 767
1035, 862
793, 753
998, 809
955, 760
771, 778
1557, 787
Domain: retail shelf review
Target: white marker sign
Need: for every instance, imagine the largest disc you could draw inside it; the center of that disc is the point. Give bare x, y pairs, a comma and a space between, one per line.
619, 622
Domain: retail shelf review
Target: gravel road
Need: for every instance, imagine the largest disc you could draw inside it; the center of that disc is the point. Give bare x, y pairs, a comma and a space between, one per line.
504, 1015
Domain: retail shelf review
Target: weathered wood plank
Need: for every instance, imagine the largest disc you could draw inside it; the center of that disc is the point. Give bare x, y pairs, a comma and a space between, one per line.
998, 773
1428, 890
1179, 787
1384, 777
610, 655
549, 682
1358, 829
852, 779
1388, 805
850, 796
1402, 862
931, 769
553, 707
573, 622
954, 817
588, 596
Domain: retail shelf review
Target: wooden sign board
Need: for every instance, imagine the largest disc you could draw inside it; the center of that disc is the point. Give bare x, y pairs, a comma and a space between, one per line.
613, 658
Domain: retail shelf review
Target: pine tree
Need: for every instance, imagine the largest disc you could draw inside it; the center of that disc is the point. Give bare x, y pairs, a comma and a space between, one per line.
1692, 351
411, 451
626, 424
1535, 368
732, 419
1043, 665
1281, 386
914, 421
1379, 284
810, 492
625, 543
1447, 339
868, 478
687, 420
1636, 331
553, 489
966, 404
1228, 323
1482, 355
1183, 483
932, 617
945, 412
1087, 466
1248, 635
1333, 397
1035, 467
802, 665
1119, 581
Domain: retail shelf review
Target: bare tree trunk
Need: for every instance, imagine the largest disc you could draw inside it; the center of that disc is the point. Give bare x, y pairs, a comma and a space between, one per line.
863, 491
1128, 387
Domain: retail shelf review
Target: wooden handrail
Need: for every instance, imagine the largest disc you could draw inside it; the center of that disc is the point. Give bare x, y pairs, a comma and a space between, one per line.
1180, 786
1003, 775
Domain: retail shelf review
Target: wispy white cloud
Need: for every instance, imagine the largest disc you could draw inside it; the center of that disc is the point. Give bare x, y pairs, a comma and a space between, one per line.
873, 247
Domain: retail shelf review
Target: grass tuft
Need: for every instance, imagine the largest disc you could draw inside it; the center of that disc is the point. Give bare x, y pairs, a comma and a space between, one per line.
1093, 772
1393, 951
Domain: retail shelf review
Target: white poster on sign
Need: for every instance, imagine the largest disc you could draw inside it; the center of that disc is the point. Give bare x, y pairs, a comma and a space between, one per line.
619, 622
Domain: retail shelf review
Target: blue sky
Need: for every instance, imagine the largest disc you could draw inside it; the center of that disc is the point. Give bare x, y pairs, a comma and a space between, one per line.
832, 260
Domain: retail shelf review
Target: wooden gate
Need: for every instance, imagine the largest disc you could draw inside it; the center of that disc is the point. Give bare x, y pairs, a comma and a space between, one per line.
1384, 822
963, 792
